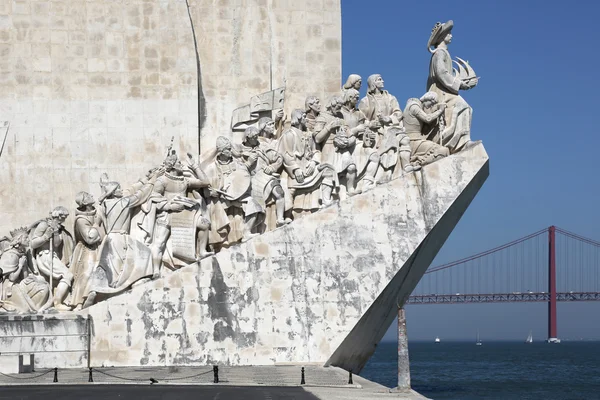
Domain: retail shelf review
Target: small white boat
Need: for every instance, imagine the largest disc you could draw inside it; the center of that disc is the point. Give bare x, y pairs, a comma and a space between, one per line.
554, 340
437, 340
478, 343
529, 338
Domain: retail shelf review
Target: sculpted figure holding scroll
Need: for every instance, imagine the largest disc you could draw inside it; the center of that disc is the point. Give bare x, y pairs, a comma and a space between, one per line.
182, 226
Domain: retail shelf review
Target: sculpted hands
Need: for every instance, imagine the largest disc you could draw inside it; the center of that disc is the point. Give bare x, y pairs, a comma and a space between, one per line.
310, 168
299, 175
334, 124
375, 125
385, 120
469, 83
190, 161
278, 115
213, 193
252, 157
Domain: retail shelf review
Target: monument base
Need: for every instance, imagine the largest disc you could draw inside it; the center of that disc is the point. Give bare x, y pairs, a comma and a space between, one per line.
42, 341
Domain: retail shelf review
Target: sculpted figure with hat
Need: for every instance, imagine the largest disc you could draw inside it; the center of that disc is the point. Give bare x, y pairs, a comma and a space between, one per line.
88, 236
446, 82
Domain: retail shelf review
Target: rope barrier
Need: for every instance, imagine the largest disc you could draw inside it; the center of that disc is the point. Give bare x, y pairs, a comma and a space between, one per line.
28, 377
123, 378
188, 377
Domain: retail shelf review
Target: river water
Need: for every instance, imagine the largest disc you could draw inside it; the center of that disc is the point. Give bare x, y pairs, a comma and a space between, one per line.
495, 370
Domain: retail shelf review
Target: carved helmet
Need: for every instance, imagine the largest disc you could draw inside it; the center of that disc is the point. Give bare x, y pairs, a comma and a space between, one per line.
222, 144
438, 33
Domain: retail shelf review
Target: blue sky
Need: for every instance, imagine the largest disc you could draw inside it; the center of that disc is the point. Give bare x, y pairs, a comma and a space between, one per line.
535, 110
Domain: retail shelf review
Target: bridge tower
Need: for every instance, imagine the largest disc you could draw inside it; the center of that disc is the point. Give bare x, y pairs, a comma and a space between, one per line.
552, 334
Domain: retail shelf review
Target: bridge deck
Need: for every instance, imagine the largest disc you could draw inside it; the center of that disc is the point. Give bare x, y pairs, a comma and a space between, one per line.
515, 297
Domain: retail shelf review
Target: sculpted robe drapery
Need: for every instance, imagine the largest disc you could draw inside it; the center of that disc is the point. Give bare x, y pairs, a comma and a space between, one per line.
383, 104
20, 291
85, 255
124, 259
298, 151
263, 183
340, 158
422, 151
361, 154
446, 85
56, 260
228, 211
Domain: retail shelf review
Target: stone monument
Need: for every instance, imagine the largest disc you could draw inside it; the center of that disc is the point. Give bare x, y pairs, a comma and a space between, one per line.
287, 233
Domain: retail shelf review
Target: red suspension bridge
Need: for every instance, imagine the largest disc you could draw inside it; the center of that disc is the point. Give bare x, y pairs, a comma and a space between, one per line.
550, 265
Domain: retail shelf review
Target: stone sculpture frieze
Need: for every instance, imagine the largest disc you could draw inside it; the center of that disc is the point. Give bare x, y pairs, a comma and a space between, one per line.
180, 213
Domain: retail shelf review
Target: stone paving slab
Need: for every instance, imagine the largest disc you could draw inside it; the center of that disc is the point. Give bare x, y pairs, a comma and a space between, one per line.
326, 383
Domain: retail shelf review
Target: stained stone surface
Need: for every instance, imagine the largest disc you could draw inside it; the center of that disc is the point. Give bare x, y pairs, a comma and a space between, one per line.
321, 290
101, 86
55, 340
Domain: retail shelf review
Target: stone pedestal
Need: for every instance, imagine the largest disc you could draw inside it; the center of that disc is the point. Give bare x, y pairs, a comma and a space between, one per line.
54, 340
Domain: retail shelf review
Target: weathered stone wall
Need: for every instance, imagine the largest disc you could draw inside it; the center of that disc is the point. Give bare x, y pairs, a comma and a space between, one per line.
320, 290
54, 340
101, 86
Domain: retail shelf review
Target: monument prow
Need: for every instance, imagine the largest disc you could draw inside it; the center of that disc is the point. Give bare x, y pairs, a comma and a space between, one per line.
323, 289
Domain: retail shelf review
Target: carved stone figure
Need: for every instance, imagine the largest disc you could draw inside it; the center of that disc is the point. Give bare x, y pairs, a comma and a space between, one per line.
265, 165
379, 106
446, 83
384, 115
354, 81
88, 236
123, 259
335, 141
312, 105
364, 153
143, 221
53, 262
310, 182
270, 130
20, 290
182, 227
418, 114
230, 194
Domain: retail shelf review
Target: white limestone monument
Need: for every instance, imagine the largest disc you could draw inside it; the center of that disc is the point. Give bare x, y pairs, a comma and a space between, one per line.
187, 183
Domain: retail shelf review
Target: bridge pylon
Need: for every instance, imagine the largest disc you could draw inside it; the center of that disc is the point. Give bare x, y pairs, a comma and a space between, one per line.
552, 330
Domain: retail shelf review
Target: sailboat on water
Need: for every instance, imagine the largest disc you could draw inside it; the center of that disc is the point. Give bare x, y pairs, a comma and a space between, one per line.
478, 343
437, 340
529, 338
